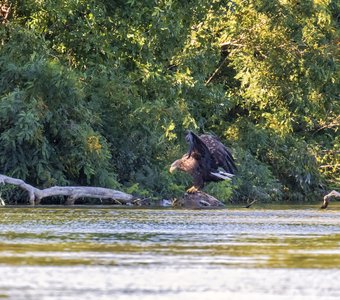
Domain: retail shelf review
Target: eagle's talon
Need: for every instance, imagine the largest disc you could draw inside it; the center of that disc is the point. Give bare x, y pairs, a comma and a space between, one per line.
192, 190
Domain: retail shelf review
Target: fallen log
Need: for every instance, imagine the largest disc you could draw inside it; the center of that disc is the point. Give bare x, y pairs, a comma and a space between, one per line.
35, 195
197, 200
328, 197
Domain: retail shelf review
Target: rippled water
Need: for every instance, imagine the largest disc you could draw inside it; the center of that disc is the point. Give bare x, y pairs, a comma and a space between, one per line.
110, 253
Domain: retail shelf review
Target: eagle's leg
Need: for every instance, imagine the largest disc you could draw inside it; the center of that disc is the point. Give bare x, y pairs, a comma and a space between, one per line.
198, 184
192, 190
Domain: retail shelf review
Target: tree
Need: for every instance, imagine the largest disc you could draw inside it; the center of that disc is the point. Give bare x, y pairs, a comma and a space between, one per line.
101, 92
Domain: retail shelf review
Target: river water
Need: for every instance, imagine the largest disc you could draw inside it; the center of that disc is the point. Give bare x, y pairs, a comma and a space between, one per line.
108, 253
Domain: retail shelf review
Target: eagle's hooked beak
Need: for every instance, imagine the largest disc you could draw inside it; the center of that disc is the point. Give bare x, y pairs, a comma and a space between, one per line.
173, 166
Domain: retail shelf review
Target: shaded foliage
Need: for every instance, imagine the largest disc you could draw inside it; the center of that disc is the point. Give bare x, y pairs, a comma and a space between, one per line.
100, 92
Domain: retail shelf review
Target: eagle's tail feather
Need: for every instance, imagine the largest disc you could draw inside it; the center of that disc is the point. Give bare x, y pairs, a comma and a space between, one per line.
222, 175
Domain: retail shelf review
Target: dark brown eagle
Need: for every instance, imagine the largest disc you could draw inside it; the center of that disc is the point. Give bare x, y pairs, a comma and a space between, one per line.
207, 160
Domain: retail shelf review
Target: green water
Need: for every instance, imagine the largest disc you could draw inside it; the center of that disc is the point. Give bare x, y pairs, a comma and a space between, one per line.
109, 253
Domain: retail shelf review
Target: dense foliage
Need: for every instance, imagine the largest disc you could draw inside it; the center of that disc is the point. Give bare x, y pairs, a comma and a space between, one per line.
101, 92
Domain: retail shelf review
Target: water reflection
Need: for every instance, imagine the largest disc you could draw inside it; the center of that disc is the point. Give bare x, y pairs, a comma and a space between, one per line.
144, 254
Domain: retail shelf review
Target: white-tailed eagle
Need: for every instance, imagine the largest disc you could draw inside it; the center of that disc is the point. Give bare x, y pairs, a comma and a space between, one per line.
207, 160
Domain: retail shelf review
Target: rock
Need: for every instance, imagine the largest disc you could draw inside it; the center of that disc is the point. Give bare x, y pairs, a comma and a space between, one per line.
197, 200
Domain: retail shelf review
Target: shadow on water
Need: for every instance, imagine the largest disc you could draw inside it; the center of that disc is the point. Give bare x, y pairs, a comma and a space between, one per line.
101, 252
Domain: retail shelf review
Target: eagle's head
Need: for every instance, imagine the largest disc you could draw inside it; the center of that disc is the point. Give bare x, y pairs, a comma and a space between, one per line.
185, 164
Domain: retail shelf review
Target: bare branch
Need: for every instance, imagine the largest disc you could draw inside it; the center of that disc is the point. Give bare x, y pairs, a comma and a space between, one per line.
73, 192
330, 166
327, 198
216, 71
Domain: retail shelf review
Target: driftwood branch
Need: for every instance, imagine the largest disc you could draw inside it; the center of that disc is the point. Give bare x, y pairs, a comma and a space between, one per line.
250, 204
328, 197
35, 195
